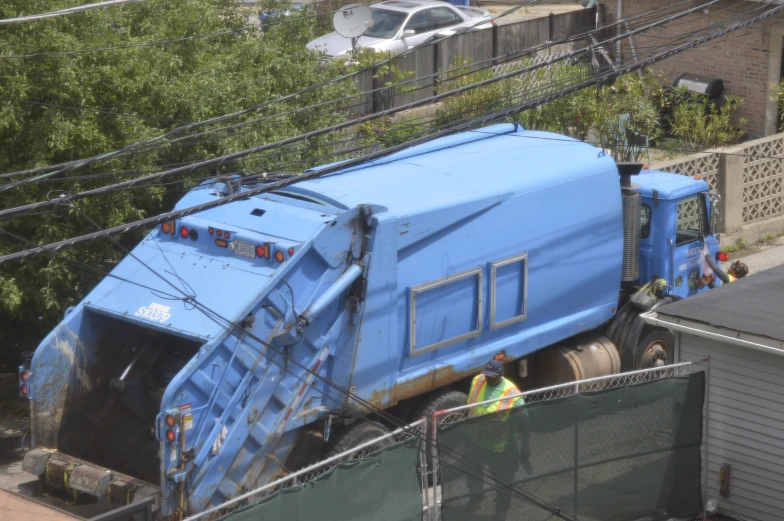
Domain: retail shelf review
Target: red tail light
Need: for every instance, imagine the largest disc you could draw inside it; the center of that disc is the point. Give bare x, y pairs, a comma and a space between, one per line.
226, 234
170, 436
722, 256
210, 230
220, 233
259, 251
291, 251
23, 390
184, 232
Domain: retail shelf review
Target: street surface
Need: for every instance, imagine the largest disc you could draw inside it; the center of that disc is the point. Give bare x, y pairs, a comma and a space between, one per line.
763, 256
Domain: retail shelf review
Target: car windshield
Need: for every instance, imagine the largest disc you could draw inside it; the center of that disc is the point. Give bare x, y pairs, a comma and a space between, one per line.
386, 24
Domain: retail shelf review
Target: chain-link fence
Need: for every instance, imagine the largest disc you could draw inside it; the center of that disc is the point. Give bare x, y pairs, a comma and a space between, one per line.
621, 441
345, 486
614, 448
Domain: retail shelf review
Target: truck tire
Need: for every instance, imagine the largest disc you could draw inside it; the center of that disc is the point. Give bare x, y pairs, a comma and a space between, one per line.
356, 434
657, 348
438, 401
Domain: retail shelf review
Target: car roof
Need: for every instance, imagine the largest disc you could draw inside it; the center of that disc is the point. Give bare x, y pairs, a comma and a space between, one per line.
408, 6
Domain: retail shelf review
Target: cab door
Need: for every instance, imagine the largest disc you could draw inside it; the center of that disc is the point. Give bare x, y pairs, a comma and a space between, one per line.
687, 243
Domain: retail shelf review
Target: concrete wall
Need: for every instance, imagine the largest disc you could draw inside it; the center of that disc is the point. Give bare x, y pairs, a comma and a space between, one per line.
747, 60
750, 180
745, 425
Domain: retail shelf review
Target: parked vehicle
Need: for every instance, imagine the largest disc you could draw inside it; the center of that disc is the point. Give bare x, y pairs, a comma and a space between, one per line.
399, 25
397, 281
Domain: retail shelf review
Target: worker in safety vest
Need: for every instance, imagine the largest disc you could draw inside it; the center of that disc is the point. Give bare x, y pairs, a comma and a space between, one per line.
493, 439
737, 270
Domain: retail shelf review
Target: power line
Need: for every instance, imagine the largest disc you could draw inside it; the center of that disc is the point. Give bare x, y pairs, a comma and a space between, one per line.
70, 10
86, 161
231, 328
362, 119
87, 109
246, 28
347, 165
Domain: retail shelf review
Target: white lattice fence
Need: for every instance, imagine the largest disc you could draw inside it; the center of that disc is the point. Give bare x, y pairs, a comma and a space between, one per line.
763, 179
705, 165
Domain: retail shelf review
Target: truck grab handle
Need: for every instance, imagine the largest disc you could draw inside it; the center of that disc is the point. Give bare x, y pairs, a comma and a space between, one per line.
332, 292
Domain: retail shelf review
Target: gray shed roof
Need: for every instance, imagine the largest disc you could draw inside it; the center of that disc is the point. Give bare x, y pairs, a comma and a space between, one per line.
753, 305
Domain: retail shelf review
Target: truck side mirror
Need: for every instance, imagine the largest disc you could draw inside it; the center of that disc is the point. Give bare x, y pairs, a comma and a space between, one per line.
713, 225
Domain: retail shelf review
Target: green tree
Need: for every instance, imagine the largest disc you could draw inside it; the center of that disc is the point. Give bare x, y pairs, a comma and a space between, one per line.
154, 89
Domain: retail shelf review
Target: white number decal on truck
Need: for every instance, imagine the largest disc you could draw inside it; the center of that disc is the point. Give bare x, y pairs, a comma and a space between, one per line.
155, 312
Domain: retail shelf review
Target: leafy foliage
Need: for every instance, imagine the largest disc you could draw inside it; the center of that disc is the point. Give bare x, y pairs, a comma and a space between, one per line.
129, 95
700, 123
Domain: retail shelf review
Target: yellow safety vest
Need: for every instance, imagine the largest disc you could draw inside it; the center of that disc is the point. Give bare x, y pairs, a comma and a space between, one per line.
491, 438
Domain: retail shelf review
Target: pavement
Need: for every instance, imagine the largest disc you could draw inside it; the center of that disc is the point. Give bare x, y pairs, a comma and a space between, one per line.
762, 256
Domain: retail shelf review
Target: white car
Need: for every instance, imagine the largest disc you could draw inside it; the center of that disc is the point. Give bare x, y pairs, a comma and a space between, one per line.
399, 25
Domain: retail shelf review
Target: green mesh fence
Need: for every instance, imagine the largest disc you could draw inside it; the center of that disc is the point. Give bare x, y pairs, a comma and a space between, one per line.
629, 453
382, 487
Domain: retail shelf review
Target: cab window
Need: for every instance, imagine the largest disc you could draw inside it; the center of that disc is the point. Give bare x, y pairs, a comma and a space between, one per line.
692, 220
645, 221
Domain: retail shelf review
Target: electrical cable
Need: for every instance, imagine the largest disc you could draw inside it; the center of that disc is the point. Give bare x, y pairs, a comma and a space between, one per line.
70, 10
531, 49
262, 26
577, 36
433, 41
618, 71
362, 119
231, 328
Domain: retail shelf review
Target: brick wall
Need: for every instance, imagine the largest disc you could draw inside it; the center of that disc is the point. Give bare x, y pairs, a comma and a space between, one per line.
740, 58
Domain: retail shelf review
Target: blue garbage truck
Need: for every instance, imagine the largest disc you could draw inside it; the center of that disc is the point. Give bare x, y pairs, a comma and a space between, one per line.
198, 369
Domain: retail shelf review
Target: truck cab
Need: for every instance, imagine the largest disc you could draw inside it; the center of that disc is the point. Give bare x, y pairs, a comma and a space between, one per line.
677, 224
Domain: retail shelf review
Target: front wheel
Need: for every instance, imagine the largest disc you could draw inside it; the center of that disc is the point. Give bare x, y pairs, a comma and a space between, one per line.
656, 349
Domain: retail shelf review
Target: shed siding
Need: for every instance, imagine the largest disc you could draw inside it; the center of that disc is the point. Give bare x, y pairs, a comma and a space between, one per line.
745, 426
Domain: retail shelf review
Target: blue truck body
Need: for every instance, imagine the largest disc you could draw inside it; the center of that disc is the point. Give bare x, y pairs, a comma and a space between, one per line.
391, 279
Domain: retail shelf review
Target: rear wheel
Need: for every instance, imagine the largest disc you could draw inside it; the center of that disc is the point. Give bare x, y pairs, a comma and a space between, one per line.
438, 401
356, 434
656, 349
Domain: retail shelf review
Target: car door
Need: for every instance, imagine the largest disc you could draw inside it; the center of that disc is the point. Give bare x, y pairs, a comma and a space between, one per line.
442, 18
419, 22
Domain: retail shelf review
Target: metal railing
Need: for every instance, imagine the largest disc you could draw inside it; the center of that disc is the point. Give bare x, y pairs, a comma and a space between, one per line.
426, 429
554, 392
313, 472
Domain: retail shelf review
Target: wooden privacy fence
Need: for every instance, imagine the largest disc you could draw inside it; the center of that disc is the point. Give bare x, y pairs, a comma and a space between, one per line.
422, 67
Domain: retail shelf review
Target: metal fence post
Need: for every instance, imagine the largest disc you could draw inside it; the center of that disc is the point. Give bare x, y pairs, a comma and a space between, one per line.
434, 465
576, 449
423, 444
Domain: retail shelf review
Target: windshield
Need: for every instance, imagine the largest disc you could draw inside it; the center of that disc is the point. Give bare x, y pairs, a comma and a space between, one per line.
386, 24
